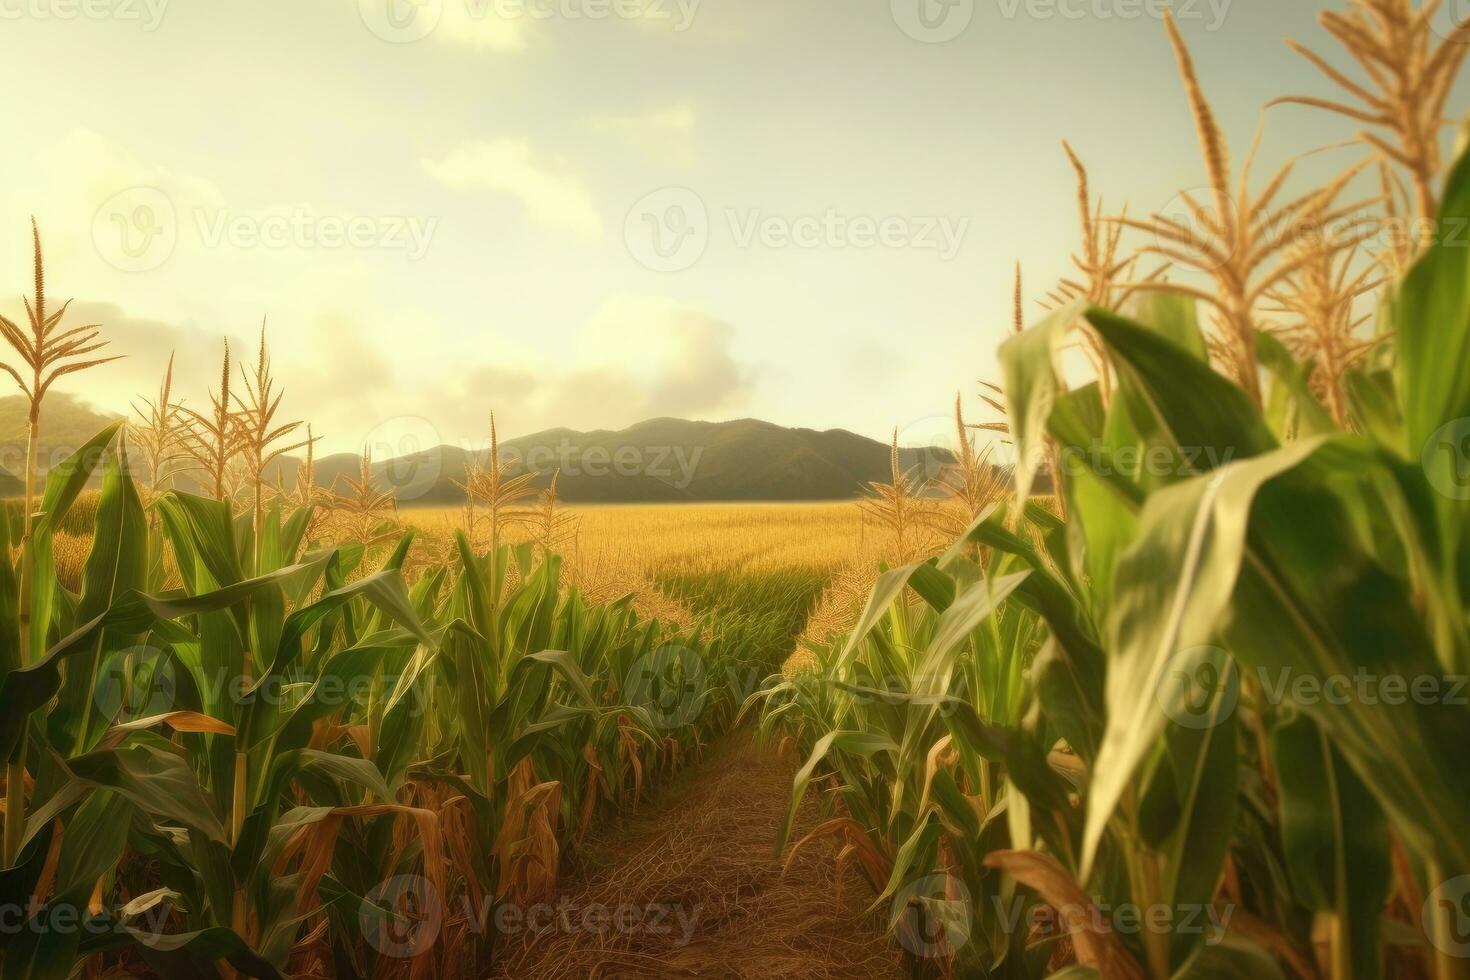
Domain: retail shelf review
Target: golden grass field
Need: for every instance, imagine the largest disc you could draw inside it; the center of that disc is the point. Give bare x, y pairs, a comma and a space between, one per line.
613, 549
610, 550
634, 539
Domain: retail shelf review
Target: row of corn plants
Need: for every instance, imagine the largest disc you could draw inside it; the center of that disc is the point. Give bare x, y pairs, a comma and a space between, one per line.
1207, 716
239, 750
1133, 709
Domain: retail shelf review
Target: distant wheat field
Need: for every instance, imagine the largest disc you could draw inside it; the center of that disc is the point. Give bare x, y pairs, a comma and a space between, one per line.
641, 537
675, 559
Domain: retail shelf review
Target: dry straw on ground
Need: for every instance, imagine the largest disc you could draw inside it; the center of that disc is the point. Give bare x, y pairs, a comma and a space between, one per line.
705, 849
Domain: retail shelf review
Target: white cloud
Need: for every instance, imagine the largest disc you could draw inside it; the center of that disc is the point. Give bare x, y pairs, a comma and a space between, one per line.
639, 356
665, 135
332, 377
102, 211
554, 196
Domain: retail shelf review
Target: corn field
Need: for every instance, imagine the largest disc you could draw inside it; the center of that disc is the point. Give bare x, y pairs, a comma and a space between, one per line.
1165, 727
1193, 713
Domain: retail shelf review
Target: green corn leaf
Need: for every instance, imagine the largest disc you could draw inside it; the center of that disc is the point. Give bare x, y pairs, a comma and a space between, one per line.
64, 483
1029, 363
1336, 843
1172, 587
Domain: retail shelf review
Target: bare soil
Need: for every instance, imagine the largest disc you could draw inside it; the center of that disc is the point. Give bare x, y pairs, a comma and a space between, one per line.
700, 892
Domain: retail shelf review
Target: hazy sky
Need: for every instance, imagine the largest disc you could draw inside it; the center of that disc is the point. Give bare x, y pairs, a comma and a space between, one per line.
589, 212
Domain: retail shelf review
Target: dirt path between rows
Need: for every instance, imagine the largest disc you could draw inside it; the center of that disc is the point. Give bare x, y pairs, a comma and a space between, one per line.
693, 877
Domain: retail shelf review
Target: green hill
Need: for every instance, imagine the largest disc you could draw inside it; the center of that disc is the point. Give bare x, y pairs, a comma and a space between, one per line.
662, 460
66, 424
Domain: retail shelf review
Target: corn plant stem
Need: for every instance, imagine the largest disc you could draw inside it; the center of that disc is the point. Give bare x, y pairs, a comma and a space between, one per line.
376, 696
14, 806
1143, 872
1424, 198
1444, 937
1339, 948
1245, 340
15, 794
241, 796
1156, 942
1054, 460
1339, 942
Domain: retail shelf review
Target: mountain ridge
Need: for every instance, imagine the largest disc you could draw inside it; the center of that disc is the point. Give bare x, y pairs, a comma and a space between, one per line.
657, 460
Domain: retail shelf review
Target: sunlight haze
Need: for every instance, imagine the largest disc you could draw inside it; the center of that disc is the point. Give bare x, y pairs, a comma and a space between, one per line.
590, 213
